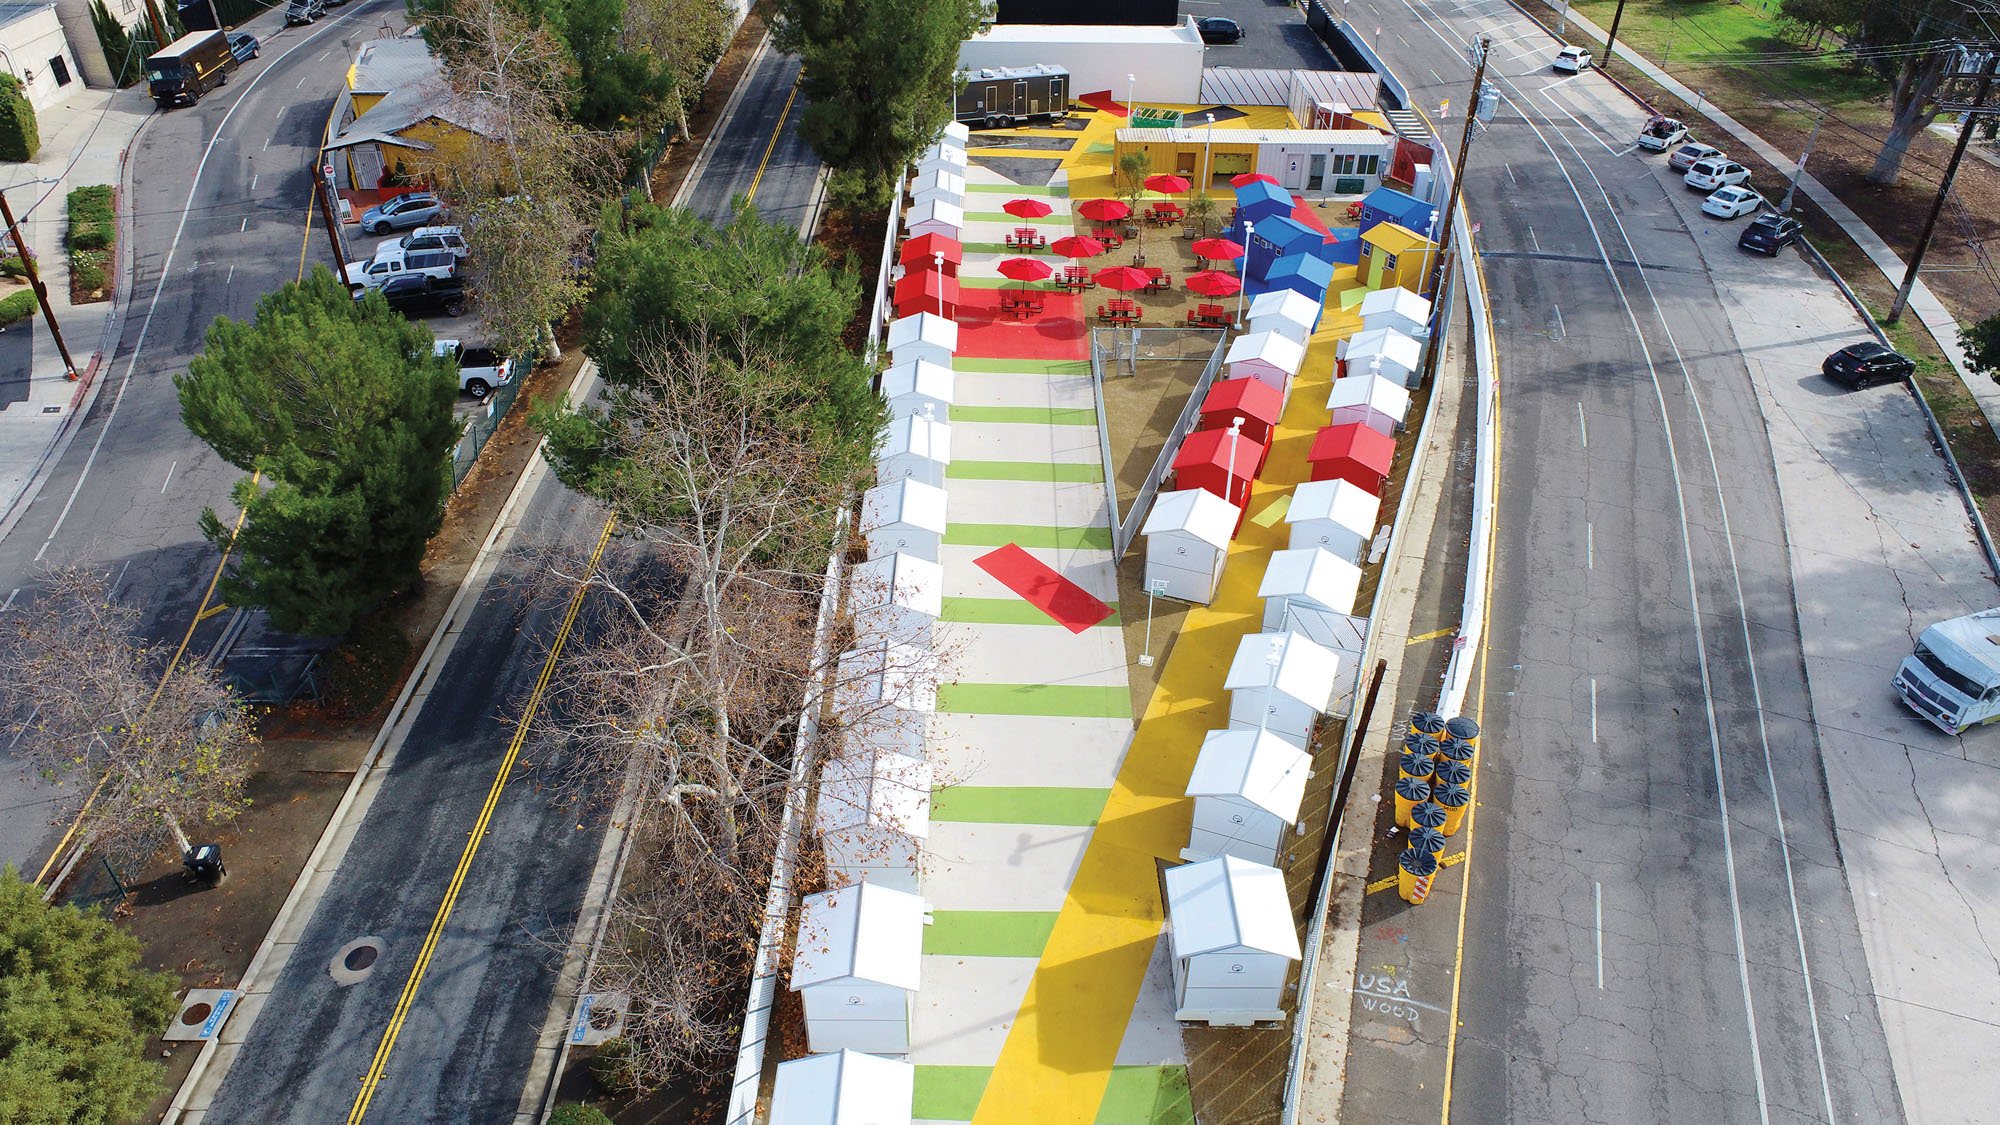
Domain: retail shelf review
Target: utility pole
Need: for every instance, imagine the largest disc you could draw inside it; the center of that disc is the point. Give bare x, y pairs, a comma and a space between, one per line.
160, 37
1611, 38
332, 233
1435, 272
1785, 208
1973, 112
35, 283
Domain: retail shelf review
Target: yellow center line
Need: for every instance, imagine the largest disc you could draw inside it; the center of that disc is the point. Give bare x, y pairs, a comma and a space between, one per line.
307, 236
201, 612
373, 1078
775, 134
1479, 716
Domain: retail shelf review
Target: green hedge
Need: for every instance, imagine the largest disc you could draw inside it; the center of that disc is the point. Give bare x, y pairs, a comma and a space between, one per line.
18, 306
10, 266
90, 217
20, 137
576, 1114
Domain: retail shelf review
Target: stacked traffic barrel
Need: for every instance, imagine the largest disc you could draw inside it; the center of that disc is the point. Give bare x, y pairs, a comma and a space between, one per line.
1433, 794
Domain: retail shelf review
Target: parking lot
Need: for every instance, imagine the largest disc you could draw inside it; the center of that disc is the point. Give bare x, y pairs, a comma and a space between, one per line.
1274, 36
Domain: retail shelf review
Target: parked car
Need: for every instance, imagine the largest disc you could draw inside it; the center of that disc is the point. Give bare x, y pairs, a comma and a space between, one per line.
428, 238
393, 261
243, 45
417, 209
1732, 202
1769, 233
1662, 133
479, 369
1219, 29
1575, 60
1716, 172
303, 12
1866, 364
418, 295
1685, 156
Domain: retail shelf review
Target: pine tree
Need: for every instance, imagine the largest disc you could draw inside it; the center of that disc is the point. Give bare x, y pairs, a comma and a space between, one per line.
344, 412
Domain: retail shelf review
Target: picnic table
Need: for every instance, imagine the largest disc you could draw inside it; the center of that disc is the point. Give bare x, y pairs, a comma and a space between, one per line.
1075, 278
1022, 303
1164, 214
1026, 238
1109, 236
1161, 282
1208, 316
1119, 310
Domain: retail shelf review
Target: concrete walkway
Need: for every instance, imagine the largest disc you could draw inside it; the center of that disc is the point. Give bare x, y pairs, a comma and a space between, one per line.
84, 141
1943, 326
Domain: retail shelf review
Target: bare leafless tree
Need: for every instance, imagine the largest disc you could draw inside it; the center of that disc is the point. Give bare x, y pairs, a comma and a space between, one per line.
88, 700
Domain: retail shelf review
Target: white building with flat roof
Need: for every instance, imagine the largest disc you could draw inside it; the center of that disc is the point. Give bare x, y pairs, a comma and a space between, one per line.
1163, 63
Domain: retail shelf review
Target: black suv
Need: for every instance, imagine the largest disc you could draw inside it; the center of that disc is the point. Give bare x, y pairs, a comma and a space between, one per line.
1219, 29
1864, 365
1769, 233
419, 295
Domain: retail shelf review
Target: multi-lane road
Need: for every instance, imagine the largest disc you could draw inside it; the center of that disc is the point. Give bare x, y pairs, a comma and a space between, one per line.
1659, 927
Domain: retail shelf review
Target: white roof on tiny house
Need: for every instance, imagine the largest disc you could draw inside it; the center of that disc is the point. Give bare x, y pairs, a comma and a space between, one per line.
897, 579
1196, 511
1230, 905
904, 501
919, 377
1281, 352
929, 438
843, 1088
893, 672
1370, 389
1304, 671
1399, 301
1344, 502
1314, 573
958, 131
1256, 766
889, 791
1391, 345
1286, 304
923, 328
864, 932
943, 178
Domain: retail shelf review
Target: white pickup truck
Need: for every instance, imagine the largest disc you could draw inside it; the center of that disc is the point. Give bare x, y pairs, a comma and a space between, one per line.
479, 369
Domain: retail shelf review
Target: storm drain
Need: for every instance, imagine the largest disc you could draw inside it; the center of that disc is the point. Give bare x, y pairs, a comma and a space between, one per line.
356, 959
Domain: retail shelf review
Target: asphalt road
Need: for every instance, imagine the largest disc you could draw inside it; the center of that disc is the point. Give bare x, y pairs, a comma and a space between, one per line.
1658, 926
465, 1047
216, 198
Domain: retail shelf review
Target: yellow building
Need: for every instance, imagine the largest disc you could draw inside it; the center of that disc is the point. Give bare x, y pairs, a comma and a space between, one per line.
394, 115
1317, 163
1397, 257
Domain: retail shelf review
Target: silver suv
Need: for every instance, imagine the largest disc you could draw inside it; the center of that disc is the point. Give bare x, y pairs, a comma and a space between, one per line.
1713, 173
450, 239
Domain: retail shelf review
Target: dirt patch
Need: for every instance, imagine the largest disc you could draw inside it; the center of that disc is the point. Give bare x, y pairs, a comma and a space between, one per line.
674, 167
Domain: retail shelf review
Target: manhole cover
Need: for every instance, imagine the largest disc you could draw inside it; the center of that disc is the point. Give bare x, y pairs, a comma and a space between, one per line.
356, 959
194, 1014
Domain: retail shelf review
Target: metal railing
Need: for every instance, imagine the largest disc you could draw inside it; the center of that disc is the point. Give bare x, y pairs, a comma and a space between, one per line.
880, 305
1168, 344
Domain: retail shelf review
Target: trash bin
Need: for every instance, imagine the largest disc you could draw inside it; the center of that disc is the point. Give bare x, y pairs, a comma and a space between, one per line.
1456, 799
1457, 750
1430, 814
1410, 792
1415, 869
1464, 728
1413, 764
203, 864
1427, 839
1427, 722
1455, 773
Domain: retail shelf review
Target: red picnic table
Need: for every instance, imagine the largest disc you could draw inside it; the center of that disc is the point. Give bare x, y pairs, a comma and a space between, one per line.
1109, 236
1161, 282
1026, 238
1119, 310
1022, 303
1164, 214
1208, 316
1075, 278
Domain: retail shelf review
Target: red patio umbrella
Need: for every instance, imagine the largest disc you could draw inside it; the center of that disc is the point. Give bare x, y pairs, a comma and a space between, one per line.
1025, 269
1077, 246
1220, 248
1026, 208
1248, 178
1125, 279
1167, 183
1103, 210
1214, 283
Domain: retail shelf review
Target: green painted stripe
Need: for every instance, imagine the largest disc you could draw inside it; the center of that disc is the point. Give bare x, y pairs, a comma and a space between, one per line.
1009, 804
1005, 611
988, 933
1022, 366
1080, 701
1026, 415
949, 1093
988, 248
1050, 472
1146, 1095
1055, 538
1020, 189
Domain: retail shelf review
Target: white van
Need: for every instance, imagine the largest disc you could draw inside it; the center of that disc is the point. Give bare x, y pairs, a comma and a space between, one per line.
1953, 677
394, 261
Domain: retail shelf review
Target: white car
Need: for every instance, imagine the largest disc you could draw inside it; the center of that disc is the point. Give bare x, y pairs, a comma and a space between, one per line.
1572, 59
1732, 202
1716, 172
1685, 156
479, 369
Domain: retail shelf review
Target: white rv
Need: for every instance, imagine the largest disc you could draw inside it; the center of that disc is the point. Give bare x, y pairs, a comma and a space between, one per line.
1953, 678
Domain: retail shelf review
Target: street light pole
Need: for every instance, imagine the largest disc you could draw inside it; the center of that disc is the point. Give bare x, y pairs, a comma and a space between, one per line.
1435, 274
35, 283
1207, 151
1249, 228
937, 259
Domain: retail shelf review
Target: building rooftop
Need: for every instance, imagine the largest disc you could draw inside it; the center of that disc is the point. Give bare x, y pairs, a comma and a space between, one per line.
385, 65
21, 9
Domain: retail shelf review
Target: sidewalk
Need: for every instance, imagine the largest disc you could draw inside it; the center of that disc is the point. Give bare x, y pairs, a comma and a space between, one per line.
1942, 326
84, 141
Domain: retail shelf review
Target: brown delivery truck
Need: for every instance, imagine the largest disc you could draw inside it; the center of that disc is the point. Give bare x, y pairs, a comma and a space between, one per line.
192, 66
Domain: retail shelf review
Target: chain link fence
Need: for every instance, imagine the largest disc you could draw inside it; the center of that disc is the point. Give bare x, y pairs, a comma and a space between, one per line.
479, 428
1116, 353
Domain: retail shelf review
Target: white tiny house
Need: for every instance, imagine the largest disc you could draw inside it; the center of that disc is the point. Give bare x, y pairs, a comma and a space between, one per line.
1398, 355
1187, 543
860, 949
1280, 682
1309, 579
905, 515
844, 1088
937, 215
896, 598
1396, 308
1233, 941
1370, 398
1247, 787
885, 693
1335, 514
916, 384
1286, 312
913, 446
941, 182
873, 816
922, 336
1266, 357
